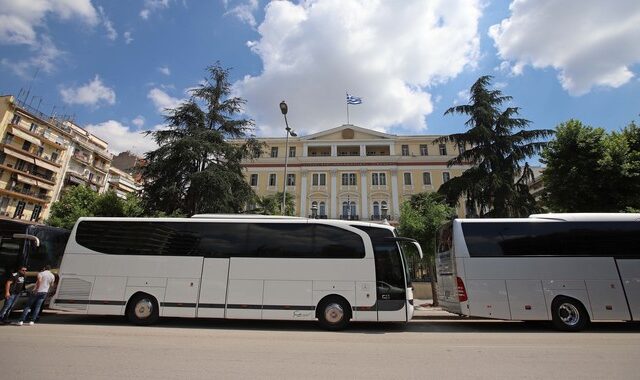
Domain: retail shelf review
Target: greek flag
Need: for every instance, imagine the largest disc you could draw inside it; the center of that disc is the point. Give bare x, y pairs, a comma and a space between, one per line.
353, 99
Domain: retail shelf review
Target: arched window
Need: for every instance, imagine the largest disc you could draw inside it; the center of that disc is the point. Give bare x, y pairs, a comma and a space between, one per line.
345, 209
353, 209
376, 209
323, 210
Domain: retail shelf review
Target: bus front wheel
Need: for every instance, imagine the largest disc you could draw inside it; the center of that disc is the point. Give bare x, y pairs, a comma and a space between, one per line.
569, 314
142, 309
334, 313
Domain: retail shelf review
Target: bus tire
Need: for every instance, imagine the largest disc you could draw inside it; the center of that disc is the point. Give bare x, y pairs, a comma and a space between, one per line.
333, 313
142, 309
569, 314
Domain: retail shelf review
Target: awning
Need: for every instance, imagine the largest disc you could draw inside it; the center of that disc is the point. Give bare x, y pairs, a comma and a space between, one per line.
26, 136
46, 165
74, 179
28, 180
21, 156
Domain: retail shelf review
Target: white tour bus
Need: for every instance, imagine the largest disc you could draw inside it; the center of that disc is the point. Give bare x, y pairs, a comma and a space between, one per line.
568, 268
235, 266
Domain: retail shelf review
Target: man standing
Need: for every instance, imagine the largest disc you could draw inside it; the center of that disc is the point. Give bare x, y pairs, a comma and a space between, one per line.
43, 284
12, 290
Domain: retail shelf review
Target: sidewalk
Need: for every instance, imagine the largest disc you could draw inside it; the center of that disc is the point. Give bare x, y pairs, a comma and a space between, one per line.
425, 310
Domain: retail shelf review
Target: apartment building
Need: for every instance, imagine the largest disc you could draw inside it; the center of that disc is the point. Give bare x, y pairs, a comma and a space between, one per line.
122, 182
88, 162
351, 172
33, 150
41, 156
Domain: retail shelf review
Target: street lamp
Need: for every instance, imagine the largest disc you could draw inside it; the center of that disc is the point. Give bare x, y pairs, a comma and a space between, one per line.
284, 109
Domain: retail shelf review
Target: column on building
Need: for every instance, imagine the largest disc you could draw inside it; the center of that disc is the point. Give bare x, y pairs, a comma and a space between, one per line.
334, 193
395, 199
363, 150
334, 150
364, 213
303, 193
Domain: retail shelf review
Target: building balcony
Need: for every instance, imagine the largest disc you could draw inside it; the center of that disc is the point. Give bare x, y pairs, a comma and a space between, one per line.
31, 156
350, 217
317, 216
82, 158
381, 217
35, 175
41, 134
20, 192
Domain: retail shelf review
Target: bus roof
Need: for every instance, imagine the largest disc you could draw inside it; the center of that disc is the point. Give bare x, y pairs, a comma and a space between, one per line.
243, 216
563, 217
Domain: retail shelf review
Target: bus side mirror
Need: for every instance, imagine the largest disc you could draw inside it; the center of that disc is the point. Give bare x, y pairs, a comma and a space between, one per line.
32, 238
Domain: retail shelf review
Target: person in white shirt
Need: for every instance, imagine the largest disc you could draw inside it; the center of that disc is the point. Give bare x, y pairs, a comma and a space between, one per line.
44, 283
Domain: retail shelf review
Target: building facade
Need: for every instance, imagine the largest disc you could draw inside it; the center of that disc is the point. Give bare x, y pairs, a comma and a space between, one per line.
33, 153
40, 156
351, 172
122, 183
88, 162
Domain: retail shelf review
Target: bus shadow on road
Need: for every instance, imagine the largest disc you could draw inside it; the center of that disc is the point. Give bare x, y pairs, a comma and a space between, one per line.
415, 326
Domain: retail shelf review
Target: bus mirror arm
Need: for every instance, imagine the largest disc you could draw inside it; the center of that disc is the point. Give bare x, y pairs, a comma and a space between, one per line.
407, 240
32, 238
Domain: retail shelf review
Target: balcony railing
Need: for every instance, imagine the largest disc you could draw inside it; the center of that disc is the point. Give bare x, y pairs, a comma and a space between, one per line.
349, 217
20, 190
317, 216
381, 217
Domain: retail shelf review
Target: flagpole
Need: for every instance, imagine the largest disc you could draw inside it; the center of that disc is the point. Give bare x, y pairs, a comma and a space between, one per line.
347, 107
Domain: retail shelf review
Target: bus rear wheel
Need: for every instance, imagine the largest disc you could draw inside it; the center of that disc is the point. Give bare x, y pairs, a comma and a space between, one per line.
569, 314
142, 309
334, 314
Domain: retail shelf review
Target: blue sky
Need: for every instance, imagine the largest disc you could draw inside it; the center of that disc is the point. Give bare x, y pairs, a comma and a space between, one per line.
116, 65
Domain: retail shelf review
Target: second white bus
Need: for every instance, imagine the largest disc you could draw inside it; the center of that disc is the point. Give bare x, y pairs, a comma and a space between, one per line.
567, 268
235, 267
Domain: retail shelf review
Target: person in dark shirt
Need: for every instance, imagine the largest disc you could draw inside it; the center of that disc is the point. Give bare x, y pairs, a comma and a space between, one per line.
12, 289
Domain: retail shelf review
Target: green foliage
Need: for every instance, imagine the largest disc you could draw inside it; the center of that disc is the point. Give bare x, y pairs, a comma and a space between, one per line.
81, 201
496, 143
272, 205
420, 219
76, 202
196, 169
589, 170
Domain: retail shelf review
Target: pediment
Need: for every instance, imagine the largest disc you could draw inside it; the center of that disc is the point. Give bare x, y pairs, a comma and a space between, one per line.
348, 132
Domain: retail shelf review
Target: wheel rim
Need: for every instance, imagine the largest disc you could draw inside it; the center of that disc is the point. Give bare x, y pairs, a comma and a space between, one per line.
333, 313
143, 309
569, 314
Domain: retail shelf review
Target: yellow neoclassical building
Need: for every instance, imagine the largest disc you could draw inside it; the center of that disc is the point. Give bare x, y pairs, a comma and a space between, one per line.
351, 172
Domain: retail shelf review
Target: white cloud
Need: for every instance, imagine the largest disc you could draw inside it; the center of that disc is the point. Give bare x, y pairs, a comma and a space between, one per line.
138, 121
19, 19
245, 11
44, 55
589, 42
153, 5
127, 38
93, 93
161, 100
314, 51
122, 138
164, 70
461, 97
112, 34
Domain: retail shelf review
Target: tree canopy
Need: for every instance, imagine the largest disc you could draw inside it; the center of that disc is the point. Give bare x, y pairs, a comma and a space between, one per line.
420, 218
495, 144
81, 201
590, 170
196, 169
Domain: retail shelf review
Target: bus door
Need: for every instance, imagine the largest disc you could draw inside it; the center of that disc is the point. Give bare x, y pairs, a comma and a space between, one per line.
630, 276
213, 288
391, 292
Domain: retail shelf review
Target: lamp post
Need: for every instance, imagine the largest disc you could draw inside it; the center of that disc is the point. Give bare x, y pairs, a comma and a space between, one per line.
284, 109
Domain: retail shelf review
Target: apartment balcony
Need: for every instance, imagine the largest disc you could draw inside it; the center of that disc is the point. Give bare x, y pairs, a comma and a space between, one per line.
35, 175
31, 156
85, 159
39, 134
30, 195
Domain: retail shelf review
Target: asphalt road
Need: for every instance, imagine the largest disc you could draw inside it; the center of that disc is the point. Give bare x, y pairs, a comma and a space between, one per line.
83, 347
